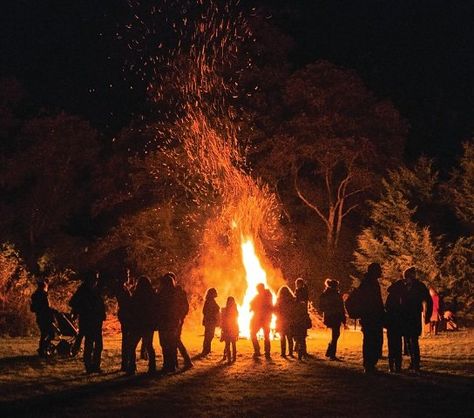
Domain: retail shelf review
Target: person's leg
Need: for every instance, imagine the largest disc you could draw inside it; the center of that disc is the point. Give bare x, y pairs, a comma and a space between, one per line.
290, 344
335, 332
124, 346
147, 341
266, 338
133, 340
415, 352
98, 345
234, 351
88, 347
397, 351
253, 337
208, 336
370, 348
283, 339
227, 351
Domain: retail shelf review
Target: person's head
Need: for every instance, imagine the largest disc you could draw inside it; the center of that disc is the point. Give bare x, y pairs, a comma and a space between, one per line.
91, 279
42, 284
284, 293
230, 302
260, 288
409, 275
331, 284
299, 283
144, 285
167, 281
374, 271
211, 293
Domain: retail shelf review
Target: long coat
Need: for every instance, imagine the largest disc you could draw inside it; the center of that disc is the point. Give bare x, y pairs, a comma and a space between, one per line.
372, 315
332, 306
412, 306
88, 304
285, 312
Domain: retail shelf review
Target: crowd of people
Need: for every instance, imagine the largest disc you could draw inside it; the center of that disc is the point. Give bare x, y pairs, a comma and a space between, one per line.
143, 309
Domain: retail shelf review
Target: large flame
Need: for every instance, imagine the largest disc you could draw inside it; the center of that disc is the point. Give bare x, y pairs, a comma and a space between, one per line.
255, 274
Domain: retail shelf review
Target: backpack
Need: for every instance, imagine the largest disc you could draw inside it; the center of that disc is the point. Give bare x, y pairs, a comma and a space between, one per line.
354, 304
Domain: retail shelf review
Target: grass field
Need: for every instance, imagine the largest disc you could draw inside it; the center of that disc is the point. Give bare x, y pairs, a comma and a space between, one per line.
58, 387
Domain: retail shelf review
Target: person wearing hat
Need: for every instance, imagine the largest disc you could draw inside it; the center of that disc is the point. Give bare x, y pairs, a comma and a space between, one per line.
332, 307
88, 304
44, 316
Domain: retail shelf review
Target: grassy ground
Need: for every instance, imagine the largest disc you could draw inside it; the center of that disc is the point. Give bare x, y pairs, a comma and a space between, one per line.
279, 387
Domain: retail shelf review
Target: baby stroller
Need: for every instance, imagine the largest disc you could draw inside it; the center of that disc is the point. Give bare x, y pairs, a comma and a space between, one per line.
66, 334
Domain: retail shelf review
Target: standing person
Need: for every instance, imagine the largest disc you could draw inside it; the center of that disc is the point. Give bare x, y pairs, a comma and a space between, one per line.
332, 306
89, 306
182, 307
141, 324
371, 317
412, 306
230, 329
394, 325
262, 308
44, 316
301, 291
284, 310
436, 314
168, 321
210, 320
302, 297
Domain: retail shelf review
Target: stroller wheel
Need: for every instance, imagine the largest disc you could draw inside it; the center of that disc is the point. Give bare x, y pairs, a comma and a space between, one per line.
50, 350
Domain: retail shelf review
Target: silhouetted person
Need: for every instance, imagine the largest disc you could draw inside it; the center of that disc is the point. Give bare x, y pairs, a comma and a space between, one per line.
168, 322
44, 316
332, 307
412, 306
182, 307
230, 329
436, 314
262, 308
302, 297
142, 324
284, 311
394, 325
89, 306
301, 291
372, 316
210, 319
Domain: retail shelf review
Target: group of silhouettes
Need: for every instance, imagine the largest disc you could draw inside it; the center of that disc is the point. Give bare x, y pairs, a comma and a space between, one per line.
142, 310
292, 321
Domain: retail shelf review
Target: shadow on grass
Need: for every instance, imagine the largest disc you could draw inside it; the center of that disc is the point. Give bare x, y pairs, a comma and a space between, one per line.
312, 388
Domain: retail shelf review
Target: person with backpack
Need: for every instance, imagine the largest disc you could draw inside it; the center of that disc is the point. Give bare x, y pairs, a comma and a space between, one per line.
182, 309
332, 307
44, 316
366, 303
89, 306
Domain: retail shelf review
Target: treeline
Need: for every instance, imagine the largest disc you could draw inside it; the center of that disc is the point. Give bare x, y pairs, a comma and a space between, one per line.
75, 199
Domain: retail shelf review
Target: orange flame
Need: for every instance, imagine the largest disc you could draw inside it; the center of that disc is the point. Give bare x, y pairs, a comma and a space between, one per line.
255, 274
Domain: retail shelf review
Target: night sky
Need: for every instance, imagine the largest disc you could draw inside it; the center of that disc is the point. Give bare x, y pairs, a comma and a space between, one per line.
417, 53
